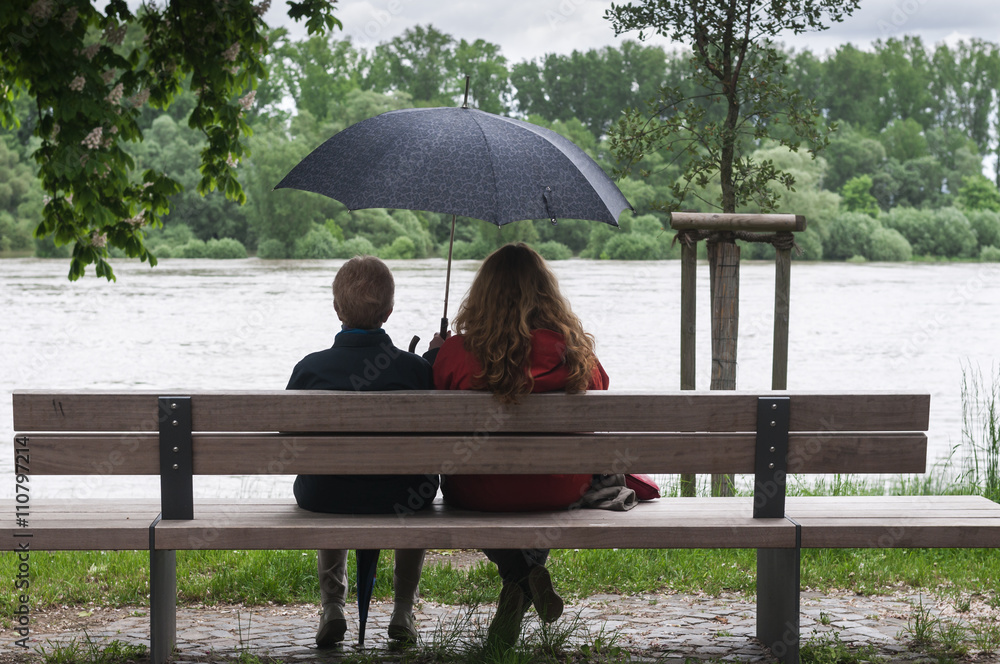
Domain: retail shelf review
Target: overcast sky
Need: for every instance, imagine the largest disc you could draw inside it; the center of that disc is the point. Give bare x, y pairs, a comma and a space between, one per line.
527, 29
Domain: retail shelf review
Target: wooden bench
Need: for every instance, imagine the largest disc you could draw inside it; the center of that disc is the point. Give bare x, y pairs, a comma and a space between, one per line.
236, 433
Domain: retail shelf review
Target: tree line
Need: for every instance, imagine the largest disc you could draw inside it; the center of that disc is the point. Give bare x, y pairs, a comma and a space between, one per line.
901, 177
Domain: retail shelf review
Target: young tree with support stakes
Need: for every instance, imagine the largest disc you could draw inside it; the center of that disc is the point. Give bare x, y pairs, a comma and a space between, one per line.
742, 98
90, 78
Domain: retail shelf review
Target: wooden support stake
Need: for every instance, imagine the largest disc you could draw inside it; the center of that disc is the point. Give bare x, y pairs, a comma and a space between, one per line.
689, 299
724, 266
782, 297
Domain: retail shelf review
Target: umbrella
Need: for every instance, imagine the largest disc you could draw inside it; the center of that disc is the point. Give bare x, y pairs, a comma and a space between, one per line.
367, 562
459, 161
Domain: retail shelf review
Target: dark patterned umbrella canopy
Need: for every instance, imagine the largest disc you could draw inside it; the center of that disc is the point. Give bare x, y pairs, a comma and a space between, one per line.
459, 161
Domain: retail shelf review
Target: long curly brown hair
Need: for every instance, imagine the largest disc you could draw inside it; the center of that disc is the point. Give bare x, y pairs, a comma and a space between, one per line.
513, 293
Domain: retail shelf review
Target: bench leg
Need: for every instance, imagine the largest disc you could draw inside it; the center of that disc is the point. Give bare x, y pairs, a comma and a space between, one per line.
778, 602
162, 604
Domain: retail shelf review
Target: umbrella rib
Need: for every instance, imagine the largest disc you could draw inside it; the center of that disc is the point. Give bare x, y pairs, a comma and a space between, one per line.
493, 172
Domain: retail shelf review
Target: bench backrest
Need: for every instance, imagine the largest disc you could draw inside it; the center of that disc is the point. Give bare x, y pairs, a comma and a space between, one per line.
177, 434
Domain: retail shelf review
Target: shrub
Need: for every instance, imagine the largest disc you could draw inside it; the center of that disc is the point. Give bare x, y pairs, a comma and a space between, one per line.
554, 251
477, 250
356, 246
225, 248
272, 249
850, 235
986, 224
631, 247
420, 236
401, 247
810, 244
990, 255
163, 251
193, 249
888, 244
600, 235
953, 234
944, 232
647, 224
318, 243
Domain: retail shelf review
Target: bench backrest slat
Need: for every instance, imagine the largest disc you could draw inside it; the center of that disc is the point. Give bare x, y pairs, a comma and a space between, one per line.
229, 454
463, 412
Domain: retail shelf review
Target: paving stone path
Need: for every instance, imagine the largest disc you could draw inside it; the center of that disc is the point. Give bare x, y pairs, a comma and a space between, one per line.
654, 627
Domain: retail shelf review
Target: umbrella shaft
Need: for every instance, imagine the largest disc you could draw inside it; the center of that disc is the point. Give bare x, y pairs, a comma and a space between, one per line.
447, 281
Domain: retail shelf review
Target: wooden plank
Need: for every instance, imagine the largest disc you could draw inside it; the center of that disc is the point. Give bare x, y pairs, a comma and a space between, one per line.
81, 532
689, 315
223, 454
474, 413
759, 223
782, 298
888, 522
647, 526
808, 505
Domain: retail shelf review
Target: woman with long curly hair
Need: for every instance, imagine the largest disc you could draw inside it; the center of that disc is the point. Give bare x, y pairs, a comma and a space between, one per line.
517, 334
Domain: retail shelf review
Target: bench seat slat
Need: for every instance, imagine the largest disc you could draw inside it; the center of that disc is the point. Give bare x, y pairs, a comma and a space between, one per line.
650, 525
138, 454
444, 411
888, 522
81, 525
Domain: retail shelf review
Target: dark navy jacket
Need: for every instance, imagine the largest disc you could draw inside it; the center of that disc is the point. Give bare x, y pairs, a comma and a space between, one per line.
362, 362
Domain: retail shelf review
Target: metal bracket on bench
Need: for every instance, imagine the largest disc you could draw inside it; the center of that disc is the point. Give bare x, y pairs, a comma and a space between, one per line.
176, 453
771, 463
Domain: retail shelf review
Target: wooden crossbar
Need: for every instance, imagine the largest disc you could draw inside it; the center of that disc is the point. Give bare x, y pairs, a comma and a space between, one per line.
444, 412
262, 454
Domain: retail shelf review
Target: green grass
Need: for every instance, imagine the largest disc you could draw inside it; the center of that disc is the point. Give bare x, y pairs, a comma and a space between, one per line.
259, 577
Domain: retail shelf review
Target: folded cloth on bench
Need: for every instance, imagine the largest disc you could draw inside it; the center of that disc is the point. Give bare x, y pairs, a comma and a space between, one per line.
608, 492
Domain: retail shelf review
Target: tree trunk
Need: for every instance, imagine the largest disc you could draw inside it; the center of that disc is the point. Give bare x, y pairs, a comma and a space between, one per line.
724, 270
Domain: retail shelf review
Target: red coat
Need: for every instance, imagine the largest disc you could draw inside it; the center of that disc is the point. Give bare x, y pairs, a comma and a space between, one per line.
455, 369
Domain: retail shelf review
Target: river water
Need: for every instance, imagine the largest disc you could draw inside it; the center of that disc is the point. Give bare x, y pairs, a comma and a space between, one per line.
189, 324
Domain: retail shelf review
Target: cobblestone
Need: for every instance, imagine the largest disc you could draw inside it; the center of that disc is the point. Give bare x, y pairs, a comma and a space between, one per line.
654, 627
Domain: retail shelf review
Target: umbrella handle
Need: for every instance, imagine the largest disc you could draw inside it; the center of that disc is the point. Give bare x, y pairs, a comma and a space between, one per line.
413, 343
444, 327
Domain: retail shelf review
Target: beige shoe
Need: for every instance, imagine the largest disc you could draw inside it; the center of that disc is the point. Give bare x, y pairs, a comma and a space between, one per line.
402, 627
548, 603
332, 627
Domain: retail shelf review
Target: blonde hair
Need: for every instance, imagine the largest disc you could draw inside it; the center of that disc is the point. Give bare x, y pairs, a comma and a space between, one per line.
363, 292
513, 293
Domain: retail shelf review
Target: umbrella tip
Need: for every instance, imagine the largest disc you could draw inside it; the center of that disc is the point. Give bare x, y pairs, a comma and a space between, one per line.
465, 104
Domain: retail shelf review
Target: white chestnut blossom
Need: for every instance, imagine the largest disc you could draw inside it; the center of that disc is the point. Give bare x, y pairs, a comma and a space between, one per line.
262, 8
68, 19
114, 36
115, 96
246, 101
99, 240
93, 139
76, 85
41, 10
231, 52
91, 51
139, 98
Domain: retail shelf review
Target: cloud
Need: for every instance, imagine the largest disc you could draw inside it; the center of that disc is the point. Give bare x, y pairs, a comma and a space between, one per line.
527, 29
